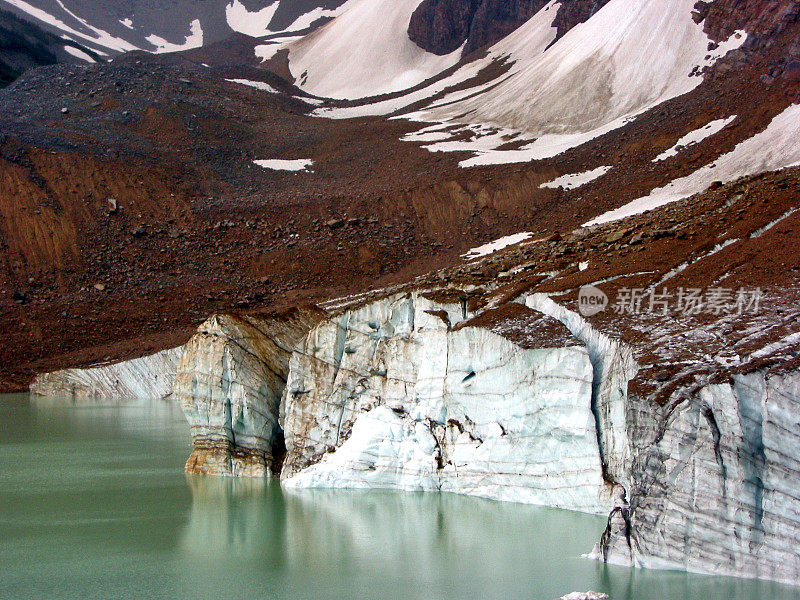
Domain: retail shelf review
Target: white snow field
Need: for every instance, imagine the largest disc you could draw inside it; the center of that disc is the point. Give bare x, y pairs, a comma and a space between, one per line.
498, 244
193, 40
255, 23
695, 137
300, 164
626, 59
539, 33
365, 51
774, 148
576, 180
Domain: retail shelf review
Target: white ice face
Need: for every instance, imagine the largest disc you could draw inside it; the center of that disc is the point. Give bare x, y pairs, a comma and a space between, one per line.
390, 396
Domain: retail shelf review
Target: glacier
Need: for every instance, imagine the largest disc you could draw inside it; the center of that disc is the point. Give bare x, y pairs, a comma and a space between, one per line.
523, 401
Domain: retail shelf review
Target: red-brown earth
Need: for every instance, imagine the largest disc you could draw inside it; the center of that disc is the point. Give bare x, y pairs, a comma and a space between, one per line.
198, 228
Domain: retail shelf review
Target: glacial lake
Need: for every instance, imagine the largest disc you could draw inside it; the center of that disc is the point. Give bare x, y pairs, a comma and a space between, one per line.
94, 504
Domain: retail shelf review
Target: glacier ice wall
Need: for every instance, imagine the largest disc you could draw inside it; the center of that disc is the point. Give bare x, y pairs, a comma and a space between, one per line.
229, 384
404, 393
715, 483
417, 393
147, 377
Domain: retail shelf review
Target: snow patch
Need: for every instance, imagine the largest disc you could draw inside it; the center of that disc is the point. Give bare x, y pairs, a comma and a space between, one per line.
193, 40
300, 164
734, 42
259, 85
575, 180
254, 24
306, 20
127, 23
78, 53
266, 51
498, 244
695, 137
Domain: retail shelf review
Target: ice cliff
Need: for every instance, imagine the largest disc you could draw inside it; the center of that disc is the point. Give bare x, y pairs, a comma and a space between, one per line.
714, 482
528, 402
147, 377
229, 383
416, 394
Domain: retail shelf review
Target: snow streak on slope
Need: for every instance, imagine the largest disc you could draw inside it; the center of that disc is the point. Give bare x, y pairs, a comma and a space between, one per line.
498, 244
255, 24
300, 164
259, 85
78, 53
193, 40
576, 180
774, 148
695, 137
365, 51
99, 37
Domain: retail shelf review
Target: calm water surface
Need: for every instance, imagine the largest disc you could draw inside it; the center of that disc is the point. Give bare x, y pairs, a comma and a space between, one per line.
94, 504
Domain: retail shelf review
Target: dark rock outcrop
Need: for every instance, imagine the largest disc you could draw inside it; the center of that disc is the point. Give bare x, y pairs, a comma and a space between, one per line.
495, 19
442, 26
23, 45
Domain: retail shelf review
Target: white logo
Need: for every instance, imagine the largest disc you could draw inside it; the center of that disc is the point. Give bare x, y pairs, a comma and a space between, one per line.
591, 300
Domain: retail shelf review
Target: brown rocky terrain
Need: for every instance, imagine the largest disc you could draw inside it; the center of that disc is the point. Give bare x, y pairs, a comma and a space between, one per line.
131, 207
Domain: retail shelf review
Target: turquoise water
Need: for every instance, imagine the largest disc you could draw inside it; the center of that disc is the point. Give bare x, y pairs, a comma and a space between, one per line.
94, 504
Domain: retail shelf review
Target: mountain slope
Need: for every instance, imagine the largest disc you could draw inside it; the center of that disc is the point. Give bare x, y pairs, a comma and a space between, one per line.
365, 51
23, 45
110, 26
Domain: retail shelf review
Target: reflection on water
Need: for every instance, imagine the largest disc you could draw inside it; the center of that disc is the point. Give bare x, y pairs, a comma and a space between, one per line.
94, 504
